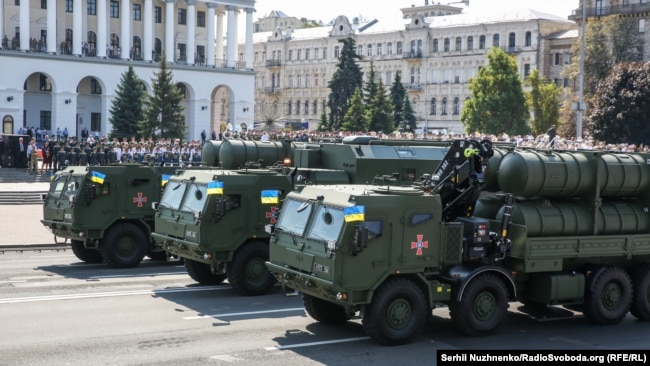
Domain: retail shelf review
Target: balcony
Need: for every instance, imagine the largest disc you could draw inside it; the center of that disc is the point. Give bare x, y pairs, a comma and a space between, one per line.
273, 90
273, 63
601, 11
414, 87
413, 55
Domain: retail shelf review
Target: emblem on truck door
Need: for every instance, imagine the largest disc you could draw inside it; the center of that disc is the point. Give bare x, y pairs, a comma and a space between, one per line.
419, 244
273, 215
140, 199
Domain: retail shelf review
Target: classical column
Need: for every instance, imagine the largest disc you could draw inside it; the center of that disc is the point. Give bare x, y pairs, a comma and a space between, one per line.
24, 26
209, 48
231, 46
148, 30
191, 31
102, 39
50, 44
77, 27
219, 45
249, 38
170, 51
125, 31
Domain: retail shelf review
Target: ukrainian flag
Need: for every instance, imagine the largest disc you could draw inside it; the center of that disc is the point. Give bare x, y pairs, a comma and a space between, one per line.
97, 177
165, 179
215, 188
271, 196
354, 213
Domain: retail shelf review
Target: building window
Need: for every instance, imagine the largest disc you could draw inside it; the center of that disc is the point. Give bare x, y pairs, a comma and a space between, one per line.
459, 44
115, 9
435, 45
316, 53
96, 122
157, 14
324, 53
290, 81
444, 107
446, 45
495, 40
369, 50
289, 106
307, 81
359, 50
137, 12
95, 87
481, 42
46, 120
526, 70
182, 16
68, 6
92, 7
399, 48
641, 25
379, 49
389, 77
556, 58
297, 107
470, 43
43, 4
511, 40
200, 19
307, 53
44, 83
299, 81
456, 110
432, 107
529, 39
298, 55
389, 48
306, 110
566, 58
337, 52
290, 55
314, 107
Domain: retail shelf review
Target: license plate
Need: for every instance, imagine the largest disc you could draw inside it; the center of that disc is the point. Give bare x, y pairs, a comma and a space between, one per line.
321, 268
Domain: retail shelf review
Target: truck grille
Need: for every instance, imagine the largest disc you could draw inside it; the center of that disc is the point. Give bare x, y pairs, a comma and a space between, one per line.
453, 242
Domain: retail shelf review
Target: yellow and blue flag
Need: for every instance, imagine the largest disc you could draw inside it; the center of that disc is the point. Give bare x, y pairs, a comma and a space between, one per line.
97, 177
271, 196
165, 179
354, 213
215, 188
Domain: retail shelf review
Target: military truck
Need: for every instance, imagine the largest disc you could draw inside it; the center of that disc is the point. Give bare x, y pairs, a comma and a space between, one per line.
560, 228
223, 235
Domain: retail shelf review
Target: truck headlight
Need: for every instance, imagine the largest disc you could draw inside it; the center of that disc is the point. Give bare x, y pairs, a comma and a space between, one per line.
331, 245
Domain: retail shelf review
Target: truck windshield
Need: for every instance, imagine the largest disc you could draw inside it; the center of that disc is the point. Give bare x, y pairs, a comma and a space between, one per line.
327, 223
294, 216
72, 185
57, 186
195, 198
173, 194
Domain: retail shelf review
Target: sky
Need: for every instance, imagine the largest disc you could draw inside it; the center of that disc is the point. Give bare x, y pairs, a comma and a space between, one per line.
387, 9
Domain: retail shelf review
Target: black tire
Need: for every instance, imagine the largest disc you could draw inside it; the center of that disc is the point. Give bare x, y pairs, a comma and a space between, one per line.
123, 246
157, 255
641, 300
85, 254
397, 312
248, 274
201, 273
483, 307
611, 297
324, 311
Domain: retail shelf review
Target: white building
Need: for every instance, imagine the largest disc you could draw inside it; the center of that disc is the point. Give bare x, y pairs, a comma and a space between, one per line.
435, 48
61, 61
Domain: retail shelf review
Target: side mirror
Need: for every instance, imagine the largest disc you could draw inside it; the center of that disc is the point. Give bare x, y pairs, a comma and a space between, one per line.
90, 193
154, 206
219, 209
360, 240
269, 229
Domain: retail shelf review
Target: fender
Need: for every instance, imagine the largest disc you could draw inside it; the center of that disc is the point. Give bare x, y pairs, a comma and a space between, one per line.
465, 273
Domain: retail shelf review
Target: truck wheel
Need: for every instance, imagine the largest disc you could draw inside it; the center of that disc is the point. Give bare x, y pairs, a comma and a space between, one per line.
610, 298
641, 285
482, 308
247, 273
85, 254
324, 311
201, 273
397, 312
124, 245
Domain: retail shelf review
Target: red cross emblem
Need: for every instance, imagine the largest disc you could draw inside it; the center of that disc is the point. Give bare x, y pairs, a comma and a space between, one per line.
273, 215
419, 244
139, 199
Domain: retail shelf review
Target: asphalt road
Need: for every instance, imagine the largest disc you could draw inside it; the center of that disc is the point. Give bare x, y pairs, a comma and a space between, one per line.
55, 310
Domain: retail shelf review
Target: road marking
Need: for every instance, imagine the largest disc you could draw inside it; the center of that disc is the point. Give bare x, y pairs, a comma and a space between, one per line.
3, 282
240, 314
309, 344
108, 294
94, 278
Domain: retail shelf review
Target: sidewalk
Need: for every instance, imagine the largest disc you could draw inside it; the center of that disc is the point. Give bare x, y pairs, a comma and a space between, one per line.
20, 224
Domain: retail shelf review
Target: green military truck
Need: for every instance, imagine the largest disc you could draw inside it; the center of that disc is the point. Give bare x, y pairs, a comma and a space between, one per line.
561, 228
223, 235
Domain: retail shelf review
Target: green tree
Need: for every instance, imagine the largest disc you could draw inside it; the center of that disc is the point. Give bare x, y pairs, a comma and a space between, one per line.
408, 122
543, 100
621, 105
163, 114
346, 79
497, 101
380, 111
356, 119
397, 94
370, 89
126, 108
322, 122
